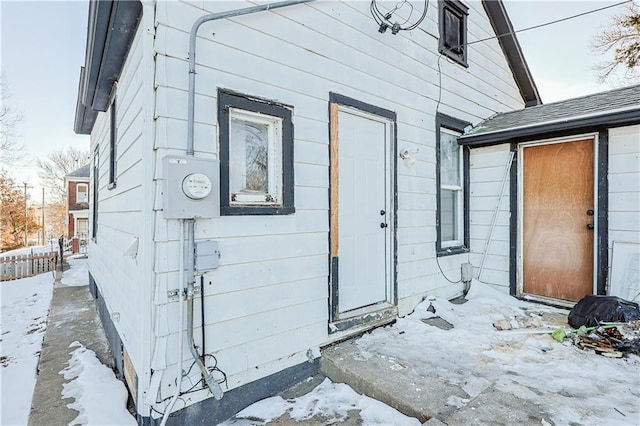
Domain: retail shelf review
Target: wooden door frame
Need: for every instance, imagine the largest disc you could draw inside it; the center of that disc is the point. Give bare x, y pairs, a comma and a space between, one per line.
337, 324
600, 197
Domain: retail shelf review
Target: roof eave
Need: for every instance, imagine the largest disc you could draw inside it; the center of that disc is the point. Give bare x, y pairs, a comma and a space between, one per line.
85, 117
111, 28
512, 51
608, 120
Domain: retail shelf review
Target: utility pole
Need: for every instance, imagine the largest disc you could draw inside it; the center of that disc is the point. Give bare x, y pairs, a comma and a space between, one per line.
43, 240
25, 214
26, 217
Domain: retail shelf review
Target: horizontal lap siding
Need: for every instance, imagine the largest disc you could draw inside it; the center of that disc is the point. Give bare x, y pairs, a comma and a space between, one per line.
487, 170
624, 186
267, 303
120, 216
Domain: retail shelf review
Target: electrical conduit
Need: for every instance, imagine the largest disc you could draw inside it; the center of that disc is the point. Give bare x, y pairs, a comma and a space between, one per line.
168, 409
213, 385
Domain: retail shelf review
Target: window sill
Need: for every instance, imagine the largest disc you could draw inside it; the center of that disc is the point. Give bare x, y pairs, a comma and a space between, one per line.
255, 210
450, 251
457, 58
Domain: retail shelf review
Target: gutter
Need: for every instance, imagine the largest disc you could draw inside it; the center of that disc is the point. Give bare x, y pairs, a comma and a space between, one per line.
613, 119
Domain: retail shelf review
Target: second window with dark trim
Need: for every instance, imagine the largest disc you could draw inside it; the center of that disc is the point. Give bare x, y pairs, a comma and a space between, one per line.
113, 141
452, 165
256, 155
453, 30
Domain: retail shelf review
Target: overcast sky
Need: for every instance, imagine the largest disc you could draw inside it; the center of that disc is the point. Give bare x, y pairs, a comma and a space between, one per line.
43, 45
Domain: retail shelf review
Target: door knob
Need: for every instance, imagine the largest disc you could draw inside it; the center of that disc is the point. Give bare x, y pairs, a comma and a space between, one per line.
382, 212
590, 212
590, 226
383, 225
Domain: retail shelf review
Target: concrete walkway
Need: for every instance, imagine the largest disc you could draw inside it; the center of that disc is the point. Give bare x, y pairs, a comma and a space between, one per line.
72, 317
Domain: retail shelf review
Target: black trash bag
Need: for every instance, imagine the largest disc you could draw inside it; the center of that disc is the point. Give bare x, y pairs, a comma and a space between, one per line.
591, 310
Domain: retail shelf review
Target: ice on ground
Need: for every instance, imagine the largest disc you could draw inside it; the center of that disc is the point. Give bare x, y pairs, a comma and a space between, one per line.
330, 402
25, 307
100, 398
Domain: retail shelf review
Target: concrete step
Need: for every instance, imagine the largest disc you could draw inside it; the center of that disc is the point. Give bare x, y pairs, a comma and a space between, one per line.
419, 392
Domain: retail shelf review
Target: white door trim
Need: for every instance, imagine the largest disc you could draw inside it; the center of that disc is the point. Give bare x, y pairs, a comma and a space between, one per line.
520, 230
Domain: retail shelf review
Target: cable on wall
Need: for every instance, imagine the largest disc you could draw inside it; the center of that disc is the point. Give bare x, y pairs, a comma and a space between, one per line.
548, 23
385, 19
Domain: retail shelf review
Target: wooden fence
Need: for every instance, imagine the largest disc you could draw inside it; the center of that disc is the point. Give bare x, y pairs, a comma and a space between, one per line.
26, 265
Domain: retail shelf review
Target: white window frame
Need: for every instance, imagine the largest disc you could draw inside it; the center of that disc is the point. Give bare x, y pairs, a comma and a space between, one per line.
86, 193
76, 228
459, 189
273, 196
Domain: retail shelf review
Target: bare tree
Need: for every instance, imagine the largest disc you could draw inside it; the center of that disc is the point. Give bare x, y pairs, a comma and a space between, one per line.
11, 150
57, 165
622, 35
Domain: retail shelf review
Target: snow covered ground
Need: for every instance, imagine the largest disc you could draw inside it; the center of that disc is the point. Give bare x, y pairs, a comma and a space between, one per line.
31, 250
574, 386
99, 397
329, 401
570, 385
25, 306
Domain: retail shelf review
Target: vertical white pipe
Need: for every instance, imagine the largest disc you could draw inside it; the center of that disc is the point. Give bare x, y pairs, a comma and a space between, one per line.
167, 411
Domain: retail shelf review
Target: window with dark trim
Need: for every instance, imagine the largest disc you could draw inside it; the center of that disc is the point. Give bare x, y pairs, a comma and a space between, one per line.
94, 207
453, 30
113, 139
256, 156
452, 180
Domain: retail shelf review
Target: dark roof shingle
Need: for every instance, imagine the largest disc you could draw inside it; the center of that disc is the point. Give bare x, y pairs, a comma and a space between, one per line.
596, 105
81, 172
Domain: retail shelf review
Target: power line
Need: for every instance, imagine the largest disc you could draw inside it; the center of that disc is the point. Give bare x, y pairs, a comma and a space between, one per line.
550, 23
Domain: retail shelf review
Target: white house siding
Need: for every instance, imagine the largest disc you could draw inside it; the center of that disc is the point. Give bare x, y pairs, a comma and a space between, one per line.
266, 305
120, 278
488, 166
624, 186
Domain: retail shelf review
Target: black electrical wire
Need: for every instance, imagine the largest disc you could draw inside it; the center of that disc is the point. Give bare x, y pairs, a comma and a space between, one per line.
194, 387
204, 351
383, 19
445, 277
548, 23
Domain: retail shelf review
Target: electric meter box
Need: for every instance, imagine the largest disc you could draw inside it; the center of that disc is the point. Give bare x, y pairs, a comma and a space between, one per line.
191, 187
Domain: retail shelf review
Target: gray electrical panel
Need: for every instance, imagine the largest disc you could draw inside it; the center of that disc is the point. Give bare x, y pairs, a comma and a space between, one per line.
207, 256
191, 187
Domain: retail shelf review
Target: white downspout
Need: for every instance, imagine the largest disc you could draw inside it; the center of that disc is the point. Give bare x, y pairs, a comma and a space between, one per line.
495, 214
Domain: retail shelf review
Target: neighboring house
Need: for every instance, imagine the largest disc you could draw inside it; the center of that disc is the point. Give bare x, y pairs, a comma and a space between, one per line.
569, 221
302, 171
76, 184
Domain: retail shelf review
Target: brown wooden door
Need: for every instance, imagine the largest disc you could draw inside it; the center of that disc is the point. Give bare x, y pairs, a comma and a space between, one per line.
557, 242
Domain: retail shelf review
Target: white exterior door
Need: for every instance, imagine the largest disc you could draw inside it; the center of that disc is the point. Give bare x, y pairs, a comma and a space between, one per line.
365, 216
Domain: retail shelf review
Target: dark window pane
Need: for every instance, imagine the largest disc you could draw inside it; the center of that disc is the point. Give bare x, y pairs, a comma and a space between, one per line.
452, 31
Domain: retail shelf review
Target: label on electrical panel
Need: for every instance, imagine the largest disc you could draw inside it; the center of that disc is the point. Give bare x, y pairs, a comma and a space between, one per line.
196, 186
177, 161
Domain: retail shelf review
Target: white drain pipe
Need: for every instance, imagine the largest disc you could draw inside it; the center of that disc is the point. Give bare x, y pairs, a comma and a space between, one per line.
495, 213
211, 383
